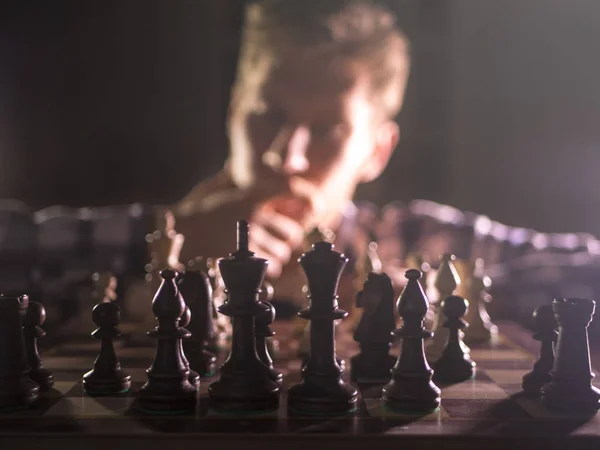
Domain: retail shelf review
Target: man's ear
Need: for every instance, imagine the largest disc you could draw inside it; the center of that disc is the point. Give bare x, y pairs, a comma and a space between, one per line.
387, 137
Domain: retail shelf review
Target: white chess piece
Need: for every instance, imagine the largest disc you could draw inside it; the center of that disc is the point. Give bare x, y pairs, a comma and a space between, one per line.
446, 283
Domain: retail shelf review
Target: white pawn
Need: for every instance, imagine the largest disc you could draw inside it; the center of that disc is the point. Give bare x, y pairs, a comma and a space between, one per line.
446, 283
481, 328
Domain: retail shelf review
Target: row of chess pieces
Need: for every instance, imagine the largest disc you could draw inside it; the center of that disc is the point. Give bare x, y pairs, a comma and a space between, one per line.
248, 381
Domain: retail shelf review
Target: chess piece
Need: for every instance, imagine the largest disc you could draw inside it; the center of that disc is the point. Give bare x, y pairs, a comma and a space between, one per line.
545, 331
374, 331
32, 331
262, 331
455, 364
322, 390
107, 377
245, 384
571, 387
168, 390
17, 390
369, 263
196, 290
446, 283
481, 328
194, 377
411, 388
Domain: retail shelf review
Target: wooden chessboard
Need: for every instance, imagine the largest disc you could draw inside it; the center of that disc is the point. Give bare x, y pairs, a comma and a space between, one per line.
485, 411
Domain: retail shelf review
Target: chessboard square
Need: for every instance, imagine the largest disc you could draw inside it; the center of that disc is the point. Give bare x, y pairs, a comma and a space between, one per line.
502, 376
472, 389
82, 364
506, 409
375, 408
499, 354
90, 407
64, 386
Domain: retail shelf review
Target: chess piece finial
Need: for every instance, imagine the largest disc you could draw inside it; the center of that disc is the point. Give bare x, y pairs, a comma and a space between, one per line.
545, 326
455, 364
107, 377
571, 387
411, 387
322, 390
32, 331
17, 390
245, 384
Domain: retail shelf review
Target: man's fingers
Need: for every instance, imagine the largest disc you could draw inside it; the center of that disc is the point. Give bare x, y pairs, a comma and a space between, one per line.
280, 226
262, 241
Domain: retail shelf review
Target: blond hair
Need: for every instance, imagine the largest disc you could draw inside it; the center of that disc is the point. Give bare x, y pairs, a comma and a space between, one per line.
359, 30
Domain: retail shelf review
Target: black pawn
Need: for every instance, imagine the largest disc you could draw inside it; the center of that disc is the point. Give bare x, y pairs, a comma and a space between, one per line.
107, 377
455, 364
168, 390
374, 331
571, 387
322, 391
196, 290
245, 384
194, 377
411, 388
262, 331
545, 331
17, 390
32, 331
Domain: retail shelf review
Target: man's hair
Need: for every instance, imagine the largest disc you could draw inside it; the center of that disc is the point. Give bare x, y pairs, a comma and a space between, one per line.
360, 30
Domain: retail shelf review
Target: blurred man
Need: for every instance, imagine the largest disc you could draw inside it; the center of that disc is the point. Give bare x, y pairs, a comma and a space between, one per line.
311, 117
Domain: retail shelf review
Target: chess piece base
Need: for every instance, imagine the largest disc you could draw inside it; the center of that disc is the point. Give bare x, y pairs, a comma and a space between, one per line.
564, 396
305, 357
534, 381
223, 397
156, 401
365, 370
43, 378
204, 362
118, 382
194, 379
448, 370
310, 399
411, 395
18, 395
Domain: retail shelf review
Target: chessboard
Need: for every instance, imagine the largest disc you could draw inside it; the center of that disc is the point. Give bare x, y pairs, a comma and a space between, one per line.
485, 411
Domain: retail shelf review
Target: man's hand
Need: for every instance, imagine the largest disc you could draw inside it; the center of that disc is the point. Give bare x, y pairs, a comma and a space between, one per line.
279, 211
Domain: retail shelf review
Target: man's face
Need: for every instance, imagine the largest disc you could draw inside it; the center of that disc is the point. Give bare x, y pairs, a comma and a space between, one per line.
305, 120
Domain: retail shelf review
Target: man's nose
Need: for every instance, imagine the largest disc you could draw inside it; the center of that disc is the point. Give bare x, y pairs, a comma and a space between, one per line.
288, 151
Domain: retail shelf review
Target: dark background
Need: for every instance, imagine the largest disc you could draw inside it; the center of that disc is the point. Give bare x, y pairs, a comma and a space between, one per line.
115, 101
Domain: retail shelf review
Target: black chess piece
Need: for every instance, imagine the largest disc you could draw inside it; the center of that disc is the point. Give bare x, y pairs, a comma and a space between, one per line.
32, 331
411, 388
374, 331
322, 391
168, 390
194, 377
245, 384
17, 390
107, 377
571, 387
262, 331
196, 290
455, 364
545, 331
